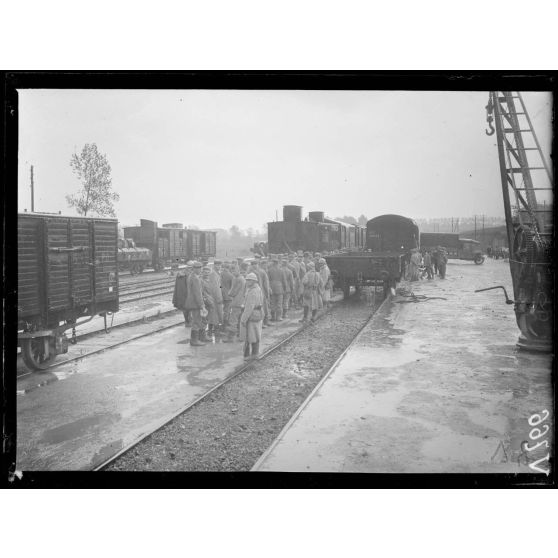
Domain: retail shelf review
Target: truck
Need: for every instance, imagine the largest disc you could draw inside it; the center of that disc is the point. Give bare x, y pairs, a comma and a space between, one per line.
456, 247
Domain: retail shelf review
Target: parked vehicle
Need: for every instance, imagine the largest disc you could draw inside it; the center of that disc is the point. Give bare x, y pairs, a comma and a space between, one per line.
67, 270
457, 248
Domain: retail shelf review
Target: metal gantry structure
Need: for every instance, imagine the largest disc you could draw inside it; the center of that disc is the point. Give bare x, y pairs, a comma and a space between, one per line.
527, 188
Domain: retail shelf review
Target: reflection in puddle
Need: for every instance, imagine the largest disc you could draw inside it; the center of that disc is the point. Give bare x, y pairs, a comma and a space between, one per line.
461, 448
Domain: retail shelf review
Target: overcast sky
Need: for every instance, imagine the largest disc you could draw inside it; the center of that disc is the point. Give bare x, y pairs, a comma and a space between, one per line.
222, 158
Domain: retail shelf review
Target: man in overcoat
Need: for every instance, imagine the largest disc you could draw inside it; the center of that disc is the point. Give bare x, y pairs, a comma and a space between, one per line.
277, 285
194, 304
312, 284
236, 293
226, 284
251, 318
180, 293
289, 285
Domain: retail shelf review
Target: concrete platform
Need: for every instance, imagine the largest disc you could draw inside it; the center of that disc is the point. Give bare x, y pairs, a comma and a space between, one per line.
87, 410
433, 386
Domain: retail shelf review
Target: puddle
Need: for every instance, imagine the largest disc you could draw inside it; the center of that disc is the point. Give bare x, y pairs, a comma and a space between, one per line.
461, 448
403, 351
77, 428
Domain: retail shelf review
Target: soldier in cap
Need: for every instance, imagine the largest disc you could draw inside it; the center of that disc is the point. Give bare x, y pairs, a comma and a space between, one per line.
442, 261
289, 286
312, 283
226, 284
214, 288
180, 293
326, 280
195, 304
263, 280
211, 320
251, 318
236, 293
277, 284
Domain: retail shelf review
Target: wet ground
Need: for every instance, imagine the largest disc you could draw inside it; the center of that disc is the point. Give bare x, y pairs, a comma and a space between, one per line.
430, 386
81, 413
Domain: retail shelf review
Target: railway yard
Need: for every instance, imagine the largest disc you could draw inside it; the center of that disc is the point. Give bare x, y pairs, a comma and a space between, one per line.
140, 398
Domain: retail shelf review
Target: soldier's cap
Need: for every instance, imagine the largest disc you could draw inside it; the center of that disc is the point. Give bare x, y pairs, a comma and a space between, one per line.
251, 277
307, 254
190, 263
310, 264
322, 261
218, 262
244, 266
206, 268
197, 264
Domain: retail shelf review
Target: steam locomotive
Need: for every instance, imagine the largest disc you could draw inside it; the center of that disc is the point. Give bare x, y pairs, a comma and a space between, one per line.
316, 233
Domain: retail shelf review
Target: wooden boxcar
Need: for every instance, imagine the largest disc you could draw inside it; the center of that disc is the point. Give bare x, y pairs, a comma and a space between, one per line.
67, 269
172, 244
389, 239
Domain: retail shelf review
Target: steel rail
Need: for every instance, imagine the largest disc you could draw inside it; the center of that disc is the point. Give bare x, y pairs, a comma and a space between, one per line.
191, 404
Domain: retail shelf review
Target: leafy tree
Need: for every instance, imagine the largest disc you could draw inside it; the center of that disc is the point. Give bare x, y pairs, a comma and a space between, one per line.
235, 231
362, 220
96, 195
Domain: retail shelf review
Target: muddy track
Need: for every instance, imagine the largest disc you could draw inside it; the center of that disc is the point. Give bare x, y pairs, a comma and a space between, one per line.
234, 425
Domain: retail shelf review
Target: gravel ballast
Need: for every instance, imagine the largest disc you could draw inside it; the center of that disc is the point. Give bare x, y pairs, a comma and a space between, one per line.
234, 425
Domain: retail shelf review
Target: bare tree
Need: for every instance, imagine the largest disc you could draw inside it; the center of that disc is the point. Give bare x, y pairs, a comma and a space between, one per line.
96, 195
362, 220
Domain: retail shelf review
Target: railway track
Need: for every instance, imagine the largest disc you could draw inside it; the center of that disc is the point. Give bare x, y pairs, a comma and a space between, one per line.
206, 395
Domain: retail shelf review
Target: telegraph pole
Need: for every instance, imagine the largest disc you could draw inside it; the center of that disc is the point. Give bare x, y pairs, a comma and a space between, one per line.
32, 192
475, 227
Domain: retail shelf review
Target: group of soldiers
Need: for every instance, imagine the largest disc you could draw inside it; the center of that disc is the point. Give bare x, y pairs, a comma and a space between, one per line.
429, 263
237, 299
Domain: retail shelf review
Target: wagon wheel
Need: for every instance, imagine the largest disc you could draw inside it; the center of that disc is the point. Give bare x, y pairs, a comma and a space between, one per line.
479, 259
33, 352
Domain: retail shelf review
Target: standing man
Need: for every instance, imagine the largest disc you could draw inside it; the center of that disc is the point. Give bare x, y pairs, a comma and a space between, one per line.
212, 319
236, 294
226, 285
312, 284
180, 293
295, 268
442, 261
301, 274
277, 285
325, 274
428, 264
194, 304
214, 279
266, 290
414, 264
251, 319
289, 286
435, 256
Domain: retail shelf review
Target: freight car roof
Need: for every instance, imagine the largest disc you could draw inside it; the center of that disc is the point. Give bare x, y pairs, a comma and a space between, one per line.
45, 214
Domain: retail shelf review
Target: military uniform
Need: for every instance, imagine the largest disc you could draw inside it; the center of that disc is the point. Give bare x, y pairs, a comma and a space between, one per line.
194, 303
251, 318
312, 284
277, 283
289, 286
237, 293
226, 284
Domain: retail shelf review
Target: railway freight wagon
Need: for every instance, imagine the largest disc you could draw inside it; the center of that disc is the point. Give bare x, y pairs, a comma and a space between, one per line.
389, 240
67, 270
316, 233
172, 244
